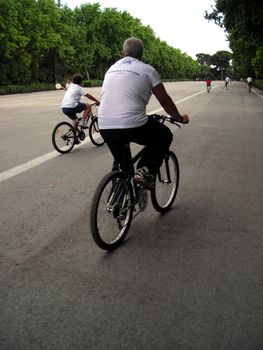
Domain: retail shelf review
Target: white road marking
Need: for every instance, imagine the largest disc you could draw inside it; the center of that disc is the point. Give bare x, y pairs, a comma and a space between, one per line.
46, 157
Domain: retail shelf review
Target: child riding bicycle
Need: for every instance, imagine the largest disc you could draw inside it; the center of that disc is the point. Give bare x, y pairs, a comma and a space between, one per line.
71, 104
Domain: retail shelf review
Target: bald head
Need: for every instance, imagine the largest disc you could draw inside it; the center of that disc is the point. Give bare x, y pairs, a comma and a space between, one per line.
133, 47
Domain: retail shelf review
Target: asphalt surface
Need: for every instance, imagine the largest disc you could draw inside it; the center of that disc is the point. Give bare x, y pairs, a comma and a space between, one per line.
189, 280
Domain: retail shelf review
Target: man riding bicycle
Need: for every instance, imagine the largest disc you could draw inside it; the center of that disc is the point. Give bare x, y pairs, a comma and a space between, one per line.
126, 90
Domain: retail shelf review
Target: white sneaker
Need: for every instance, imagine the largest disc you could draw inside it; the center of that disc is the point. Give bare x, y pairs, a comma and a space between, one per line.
143, 177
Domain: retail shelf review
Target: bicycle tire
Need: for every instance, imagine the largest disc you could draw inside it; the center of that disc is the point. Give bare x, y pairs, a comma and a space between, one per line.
94, 133
165, 191
63, 137
111, 210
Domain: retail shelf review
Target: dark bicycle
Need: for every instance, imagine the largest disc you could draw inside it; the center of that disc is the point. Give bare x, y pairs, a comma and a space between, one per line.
118, 199
65, 136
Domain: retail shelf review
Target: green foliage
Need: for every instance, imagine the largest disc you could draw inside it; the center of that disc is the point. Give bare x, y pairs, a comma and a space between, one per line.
221, 59
259, 84
257, 63
243, 21
33, 87
215, 66
203, 58
92, 83
43, 43
15, 89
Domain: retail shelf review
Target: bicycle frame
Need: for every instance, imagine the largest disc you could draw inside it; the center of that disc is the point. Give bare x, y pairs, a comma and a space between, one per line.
90, 115
137, 156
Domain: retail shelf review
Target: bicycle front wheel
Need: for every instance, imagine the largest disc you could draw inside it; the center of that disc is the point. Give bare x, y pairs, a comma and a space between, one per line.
94, 133
166, 185
111, 210
63, 137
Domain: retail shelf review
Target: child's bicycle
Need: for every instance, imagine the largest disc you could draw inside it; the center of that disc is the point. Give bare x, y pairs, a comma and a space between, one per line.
118, 199
65, 136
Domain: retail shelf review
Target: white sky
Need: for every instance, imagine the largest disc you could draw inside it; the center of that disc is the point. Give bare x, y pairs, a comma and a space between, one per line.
180, 23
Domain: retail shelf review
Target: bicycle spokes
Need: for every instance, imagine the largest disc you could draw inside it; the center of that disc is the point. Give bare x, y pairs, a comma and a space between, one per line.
119, 202
63, 137
111, 211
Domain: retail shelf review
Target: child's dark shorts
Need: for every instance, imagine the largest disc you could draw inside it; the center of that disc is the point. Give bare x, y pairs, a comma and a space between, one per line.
71, 112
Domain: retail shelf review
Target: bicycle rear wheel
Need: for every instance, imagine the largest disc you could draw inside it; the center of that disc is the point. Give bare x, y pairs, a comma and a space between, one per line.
111, 210
166, 185
63, 137
94, 133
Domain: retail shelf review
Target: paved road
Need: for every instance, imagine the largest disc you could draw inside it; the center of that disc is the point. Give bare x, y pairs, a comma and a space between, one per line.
189, 280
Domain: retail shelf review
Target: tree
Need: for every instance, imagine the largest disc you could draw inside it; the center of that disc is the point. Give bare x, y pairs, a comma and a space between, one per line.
15, 61
43, 41
243, 21
221, 61
257, 63
203, 58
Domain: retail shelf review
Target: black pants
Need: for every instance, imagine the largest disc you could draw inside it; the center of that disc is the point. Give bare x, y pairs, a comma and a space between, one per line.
155, 136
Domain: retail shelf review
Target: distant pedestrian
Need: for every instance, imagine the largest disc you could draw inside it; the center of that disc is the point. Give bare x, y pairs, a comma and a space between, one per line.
227, 81
250, 83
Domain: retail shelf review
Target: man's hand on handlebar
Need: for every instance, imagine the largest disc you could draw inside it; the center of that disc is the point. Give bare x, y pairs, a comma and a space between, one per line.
184, 119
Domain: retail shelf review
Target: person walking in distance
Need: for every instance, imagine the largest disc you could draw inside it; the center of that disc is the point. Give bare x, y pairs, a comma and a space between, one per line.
227, 81
126, 90
250, 83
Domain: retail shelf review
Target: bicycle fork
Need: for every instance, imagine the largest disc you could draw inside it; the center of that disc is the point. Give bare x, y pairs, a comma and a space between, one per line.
167, 178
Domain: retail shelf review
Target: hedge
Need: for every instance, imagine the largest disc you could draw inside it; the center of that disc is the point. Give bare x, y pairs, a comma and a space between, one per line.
36, 87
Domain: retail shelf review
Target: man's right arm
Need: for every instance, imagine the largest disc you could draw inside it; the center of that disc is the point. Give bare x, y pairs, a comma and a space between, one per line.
168, 105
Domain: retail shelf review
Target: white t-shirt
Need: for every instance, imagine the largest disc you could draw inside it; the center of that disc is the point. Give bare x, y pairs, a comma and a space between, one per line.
125, 92
249, 80
72, 96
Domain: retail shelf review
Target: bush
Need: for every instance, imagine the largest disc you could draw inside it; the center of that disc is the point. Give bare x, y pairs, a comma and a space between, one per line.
36, 87
92, 83
18, 89
259, 84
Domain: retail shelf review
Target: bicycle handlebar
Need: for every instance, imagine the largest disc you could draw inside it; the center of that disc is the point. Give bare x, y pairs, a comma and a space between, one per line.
163, 118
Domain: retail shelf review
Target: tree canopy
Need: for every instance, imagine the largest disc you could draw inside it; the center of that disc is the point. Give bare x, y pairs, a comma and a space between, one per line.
243, 21
217, 65
43, 42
